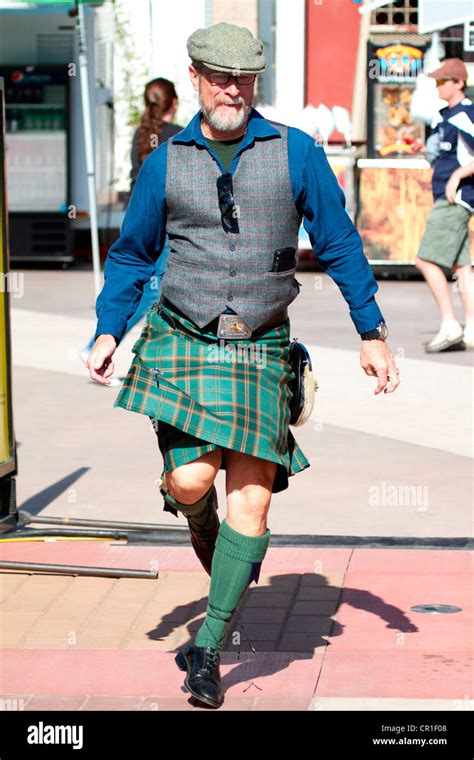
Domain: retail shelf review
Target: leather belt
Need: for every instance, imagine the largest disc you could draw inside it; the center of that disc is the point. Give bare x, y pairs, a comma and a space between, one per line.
277, 319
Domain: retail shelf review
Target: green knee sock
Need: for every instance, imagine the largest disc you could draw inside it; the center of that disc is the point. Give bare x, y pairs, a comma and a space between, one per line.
236, 563
200, 517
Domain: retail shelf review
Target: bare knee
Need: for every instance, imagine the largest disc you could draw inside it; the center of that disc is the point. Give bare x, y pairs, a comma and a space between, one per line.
247, 509
186, 485
189, 482
249, 492
255, 498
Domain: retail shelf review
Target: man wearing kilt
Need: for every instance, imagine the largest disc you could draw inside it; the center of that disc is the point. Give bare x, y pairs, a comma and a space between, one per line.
211, 368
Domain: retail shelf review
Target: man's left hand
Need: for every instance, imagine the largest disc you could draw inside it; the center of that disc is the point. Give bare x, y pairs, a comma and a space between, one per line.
376, 360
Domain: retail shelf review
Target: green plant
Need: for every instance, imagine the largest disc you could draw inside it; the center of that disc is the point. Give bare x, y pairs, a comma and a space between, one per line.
133, 69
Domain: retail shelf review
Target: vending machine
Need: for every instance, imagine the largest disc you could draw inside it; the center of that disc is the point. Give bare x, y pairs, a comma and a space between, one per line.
38, 161
394, 180
392, 73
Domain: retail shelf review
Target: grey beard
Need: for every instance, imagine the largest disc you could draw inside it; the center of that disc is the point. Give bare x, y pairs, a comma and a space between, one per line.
223, 125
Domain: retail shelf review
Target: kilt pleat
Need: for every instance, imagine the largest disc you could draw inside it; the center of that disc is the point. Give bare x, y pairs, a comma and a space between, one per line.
234, 393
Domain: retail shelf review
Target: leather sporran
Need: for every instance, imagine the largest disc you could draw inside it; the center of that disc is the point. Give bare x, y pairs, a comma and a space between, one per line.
304, 385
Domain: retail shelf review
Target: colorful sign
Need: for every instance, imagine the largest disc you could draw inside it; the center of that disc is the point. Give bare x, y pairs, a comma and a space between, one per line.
392, 72
396, 63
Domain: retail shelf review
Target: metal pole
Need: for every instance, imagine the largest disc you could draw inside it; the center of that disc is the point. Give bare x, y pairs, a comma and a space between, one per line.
90, 164
151, 41
105, 572
27, 518
72, 532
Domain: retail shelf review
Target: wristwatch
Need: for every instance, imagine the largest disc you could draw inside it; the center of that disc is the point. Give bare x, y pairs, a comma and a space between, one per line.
380, 333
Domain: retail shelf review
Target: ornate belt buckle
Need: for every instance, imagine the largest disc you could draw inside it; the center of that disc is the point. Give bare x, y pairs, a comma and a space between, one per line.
232, 326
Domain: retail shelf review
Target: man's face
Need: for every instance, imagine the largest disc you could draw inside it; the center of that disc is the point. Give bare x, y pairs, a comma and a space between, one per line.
226, 107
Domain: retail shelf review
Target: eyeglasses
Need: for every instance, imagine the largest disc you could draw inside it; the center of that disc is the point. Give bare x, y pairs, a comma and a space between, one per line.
439, 82
220, 77
226, 199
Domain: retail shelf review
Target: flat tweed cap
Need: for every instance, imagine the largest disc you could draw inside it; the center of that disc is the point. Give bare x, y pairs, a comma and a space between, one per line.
227, 47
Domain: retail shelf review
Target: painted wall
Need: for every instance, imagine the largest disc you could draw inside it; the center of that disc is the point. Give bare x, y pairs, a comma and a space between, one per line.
290, 56
332, 29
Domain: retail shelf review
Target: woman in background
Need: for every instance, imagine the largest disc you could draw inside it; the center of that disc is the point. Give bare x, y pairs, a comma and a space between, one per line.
161, 102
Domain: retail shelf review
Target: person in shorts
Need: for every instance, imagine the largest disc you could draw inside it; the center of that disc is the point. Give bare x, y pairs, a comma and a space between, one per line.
444, 247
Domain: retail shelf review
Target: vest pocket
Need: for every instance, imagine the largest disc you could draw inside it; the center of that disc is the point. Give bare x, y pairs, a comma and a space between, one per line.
279, 288
286, 273
182, 262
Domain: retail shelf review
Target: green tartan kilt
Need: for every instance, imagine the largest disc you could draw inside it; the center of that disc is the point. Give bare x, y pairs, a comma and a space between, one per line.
202, 393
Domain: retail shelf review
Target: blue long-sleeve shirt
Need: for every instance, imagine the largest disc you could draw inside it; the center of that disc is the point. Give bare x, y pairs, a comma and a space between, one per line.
336, 243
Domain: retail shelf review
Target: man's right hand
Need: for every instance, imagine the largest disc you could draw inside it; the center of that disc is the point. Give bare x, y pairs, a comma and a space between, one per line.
452, 187
99, 361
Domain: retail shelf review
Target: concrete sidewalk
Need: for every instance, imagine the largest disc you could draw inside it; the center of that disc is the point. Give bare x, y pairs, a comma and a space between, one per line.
396, 465
332, 629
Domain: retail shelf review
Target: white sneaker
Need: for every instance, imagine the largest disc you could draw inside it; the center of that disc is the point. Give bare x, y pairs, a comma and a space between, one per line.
444, 341
468, 337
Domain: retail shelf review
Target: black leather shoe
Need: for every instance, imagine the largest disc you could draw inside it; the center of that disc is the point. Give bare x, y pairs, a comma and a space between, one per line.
203, 679
204, 537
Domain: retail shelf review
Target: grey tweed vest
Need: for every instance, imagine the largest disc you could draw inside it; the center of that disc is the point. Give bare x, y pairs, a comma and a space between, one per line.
210, 268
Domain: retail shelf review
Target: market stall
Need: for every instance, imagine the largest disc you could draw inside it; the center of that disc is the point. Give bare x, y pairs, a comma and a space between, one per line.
395, 199
394, 181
